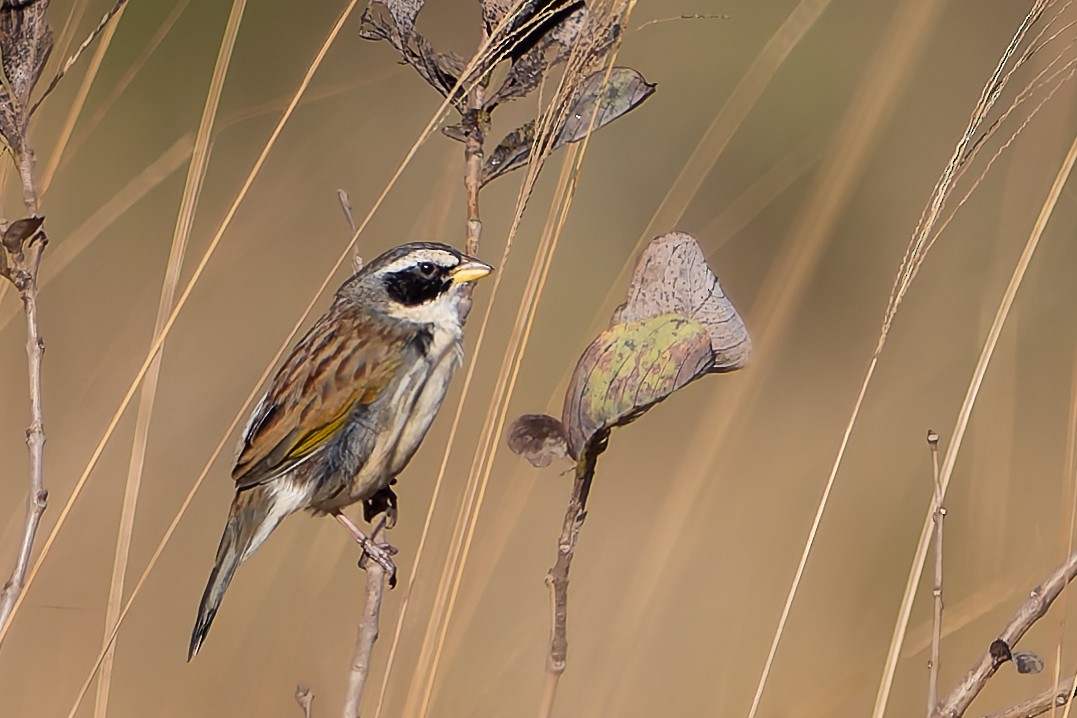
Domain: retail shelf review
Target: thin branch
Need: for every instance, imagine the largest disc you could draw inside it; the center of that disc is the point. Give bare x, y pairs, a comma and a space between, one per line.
367, 633
971, 394
677, 18
557, 577
305, 698
77, 54
1040, 704
1033, 609
936, 624
31, 38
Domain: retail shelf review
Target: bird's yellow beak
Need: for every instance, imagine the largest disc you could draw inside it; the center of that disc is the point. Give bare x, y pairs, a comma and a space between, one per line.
469, 271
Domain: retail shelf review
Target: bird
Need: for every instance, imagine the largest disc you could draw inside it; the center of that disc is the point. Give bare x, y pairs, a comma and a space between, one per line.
348, 408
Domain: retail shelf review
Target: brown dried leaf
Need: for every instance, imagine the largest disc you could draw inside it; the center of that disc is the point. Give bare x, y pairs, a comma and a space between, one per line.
629, 368
393, 22
19, 231
404, 13
25, 44
539, 37
625, 91
511, 152
672, 276
539, 438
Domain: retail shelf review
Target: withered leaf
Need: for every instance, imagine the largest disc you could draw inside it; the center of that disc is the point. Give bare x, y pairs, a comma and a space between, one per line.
672, 276
441, 70
630, 367
540, 36
539, 438
19, 231
404, 13
625, 91
1027, 662
25, 43
511, 153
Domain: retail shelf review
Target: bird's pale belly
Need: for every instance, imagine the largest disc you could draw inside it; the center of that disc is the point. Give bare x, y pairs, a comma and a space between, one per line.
417, 398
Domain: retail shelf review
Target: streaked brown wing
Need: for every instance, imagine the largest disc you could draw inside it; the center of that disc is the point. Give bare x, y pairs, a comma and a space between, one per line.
345, 361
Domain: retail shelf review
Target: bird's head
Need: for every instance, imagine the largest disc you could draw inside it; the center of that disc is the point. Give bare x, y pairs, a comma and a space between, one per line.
422, 282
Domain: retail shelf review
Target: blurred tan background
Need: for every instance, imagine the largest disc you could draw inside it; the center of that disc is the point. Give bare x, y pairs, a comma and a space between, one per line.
700, 510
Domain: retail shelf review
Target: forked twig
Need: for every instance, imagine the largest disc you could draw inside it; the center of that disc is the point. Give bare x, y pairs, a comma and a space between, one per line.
1033, 609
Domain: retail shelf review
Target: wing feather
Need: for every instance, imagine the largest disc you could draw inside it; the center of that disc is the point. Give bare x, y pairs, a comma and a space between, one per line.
342, 364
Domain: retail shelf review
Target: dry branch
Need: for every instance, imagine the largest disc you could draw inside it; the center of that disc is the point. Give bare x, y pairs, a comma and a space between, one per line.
936, 624
367, 632
305, 698
1048, 700
557, 576
998, 651
25, 43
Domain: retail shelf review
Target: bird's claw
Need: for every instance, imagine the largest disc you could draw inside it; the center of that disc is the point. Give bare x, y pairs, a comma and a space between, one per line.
381, 554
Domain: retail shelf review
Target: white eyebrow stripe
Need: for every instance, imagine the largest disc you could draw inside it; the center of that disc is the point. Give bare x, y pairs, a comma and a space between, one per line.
437, 256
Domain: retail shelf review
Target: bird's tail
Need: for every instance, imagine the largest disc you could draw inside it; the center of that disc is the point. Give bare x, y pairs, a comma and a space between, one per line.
250, 520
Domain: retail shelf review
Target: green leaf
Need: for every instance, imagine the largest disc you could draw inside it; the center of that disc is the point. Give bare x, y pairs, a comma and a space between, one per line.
629, 368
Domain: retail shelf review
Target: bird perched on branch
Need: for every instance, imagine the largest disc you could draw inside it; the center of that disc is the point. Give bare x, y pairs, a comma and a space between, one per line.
350, 405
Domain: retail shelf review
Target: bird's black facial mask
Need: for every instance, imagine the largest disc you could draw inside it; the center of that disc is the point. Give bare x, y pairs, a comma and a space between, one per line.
417, 284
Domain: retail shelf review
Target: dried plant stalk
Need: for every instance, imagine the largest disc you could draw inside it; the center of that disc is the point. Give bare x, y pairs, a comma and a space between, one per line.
367, 634
557, 576
936, 622
191, 191
27, 41
963, 418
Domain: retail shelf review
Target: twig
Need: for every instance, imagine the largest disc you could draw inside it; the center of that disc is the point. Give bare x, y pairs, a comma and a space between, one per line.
367, 633
346, 205
305, 698
936, 625
1040, 704
31, 38
676, 18
474, 124
1029, 612
78, 53
557, 577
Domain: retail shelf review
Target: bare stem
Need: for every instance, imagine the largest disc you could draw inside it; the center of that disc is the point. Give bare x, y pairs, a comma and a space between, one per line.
22, 271
557, 577
367, 634
936, 625
474, 124
305, 698
1038, 705
1033, 609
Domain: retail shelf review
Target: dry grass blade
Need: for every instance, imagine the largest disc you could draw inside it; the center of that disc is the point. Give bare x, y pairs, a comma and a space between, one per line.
846, 158
113, 11
714, 141
191, 191
423, 682
334, 32
86, 128
962, 422
80, 99
184, 296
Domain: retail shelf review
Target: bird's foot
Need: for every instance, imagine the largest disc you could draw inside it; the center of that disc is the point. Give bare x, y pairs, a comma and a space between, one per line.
380, 553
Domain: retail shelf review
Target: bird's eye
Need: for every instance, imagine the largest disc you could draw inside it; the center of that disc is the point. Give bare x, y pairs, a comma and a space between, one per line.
427, 269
